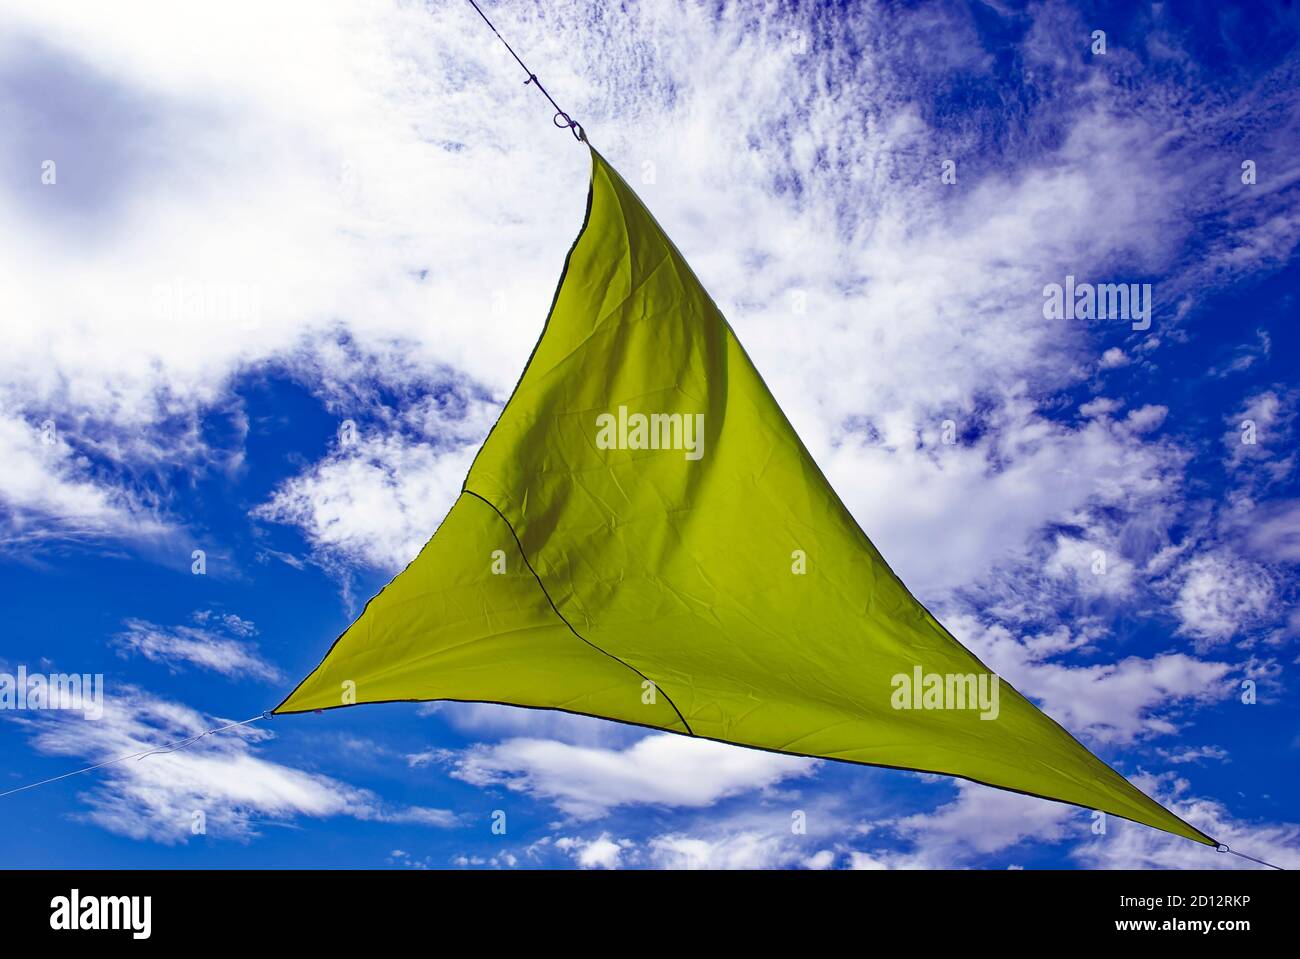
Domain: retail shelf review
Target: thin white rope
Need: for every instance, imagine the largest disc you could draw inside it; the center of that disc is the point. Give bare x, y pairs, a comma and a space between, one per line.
164, 748
1223, 847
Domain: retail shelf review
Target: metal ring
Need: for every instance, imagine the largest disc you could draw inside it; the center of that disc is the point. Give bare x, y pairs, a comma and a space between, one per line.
570, 124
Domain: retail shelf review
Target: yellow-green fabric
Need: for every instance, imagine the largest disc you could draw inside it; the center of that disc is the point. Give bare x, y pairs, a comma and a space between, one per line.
728, 595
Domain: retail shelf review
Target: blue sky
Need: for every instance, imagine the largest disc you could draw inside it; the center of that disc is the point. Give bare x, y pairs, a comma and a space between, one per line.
267, 223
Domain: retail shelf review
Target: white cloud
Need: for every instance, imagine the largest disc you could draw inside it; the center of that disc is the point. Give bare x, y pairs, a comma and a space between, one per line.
1120, 702
1222, 597
1101, 406
659, 770
1114, 358
48, 491
980, 822
739, 850
758, 834
1146, 418
1095, 568
983, 823
599, 853
1273, 531
203, 645
378, 495
987, 502
1130, 846
221, 778
864, 861
1259, 434
505, 860
376, 503
1193, 754
209, 261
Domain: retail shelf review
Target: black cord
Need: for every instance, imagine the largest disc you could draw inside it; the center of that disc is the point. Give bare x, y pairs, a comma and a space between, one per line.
561, 119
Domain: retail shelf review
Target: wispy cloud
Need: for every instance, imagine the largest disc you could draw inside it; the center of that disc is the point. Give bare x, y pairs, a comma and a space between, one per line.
979, 823
1223, 597
49, 492
375, 500
1127, 846
1114, 702
221, 643
221, 786
660, 770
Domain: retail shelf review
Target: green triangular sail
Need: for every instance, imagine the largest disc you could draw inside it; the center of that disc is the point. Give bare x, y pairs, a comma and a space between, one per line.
693, 571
